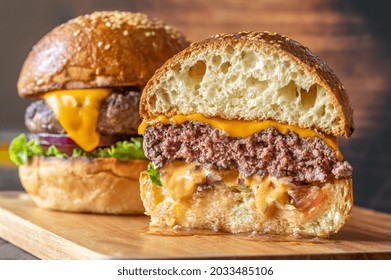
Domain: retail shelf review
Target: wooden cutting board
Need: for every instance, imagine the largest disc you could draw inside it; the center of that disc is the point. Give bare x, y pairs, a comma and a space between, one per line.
57, 235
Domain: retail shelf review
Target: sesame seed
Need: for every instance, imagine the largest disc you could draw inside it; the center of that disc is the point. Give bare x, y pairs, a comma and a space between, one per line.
107, 47
100, 43
76, 33
122, 20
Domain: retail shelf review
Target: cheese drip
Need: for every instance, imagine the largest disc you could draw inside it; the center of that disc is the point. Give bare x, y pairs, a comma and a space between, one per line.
77, 110
242, 128
268, 192
181, 180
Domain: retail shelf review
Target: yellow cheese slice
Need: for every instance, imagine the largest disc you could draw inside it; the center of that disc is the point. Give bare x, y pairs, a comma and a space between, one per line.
77, 110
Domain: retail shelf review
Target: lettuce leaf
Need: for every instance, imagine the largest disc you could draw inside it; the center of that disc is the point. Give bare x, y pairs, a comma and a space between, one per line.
154, 175
78, 152
123, 150
55, 152
21, 150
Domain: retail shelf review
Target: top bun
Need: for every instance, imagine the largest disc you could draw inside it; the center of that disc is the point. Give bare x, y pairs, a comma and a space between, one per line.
251, 76
103, 49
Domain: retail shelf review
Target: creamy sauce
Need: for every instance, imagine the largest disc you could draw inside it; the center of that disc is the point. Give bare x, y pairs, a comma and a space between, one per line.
268, 191
182, 179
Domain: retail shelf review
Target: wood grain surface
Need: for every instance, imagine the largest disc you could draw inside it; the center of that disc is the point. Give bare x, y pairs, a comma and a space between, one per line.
353, 37
58, 235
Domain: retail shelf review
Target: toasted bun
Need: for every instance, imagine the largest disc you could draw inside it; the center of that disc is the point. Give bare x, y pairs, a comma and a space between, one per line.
224, 209
103, 49
251, 76
101, 185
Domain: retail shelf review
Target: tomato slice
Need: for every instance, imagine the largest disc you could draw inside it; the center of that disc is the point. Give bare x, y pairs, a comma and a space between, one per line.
314, 205
307, 199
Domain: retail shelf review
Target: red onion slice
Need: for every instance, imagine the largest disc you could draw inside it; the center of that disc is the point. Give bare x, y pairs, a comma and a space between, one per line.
63, 140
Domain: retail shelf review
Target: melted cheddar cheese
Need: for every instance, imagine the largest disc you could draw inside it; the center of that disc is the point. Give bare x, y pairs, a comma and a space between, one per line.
268, 192
77, 110
181, 180
242, 128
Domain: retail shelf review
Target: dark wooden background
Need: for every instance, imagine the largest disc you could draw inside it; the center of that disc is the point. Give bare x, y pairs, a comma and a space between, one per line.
353, 37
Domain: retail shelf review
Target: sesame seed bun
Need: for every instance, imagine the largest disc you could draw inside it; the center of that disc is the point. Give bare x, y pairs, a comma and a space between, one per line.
103, 49
251, 76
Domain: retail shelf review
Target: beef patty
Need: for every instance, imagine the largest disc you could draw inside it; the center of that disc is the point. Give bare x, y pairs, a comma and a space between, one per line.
118, 115
265, 152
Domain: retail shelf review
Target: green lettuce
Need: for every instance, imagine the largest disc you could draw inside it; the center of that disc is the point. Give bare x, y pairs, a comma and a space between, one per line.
154, 175
21, 150
53, 151
123, 150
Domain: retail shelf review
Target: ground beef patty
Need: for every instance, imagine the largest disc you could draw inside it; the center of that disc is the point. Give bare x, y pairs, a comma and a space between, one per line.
118, 115
265, 152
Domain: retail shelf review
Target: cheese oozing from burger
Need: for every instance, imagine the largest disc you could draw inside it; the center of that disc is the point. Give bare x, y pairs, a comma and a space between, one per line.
77, 110
181, 180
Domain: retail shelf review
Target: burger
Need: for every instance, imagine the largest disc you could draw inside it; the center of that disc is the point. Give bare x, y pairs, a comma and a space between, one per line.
242, 133
83, 153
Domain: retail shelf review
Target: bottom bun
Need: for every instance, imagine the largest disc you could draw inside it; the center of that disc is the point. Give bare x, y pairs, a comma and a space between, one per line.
100, 185
231, 210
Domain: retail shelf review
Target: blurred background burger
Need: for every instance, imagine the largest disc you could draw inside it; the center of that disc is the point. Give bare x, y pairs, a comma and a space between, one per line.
83, 153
